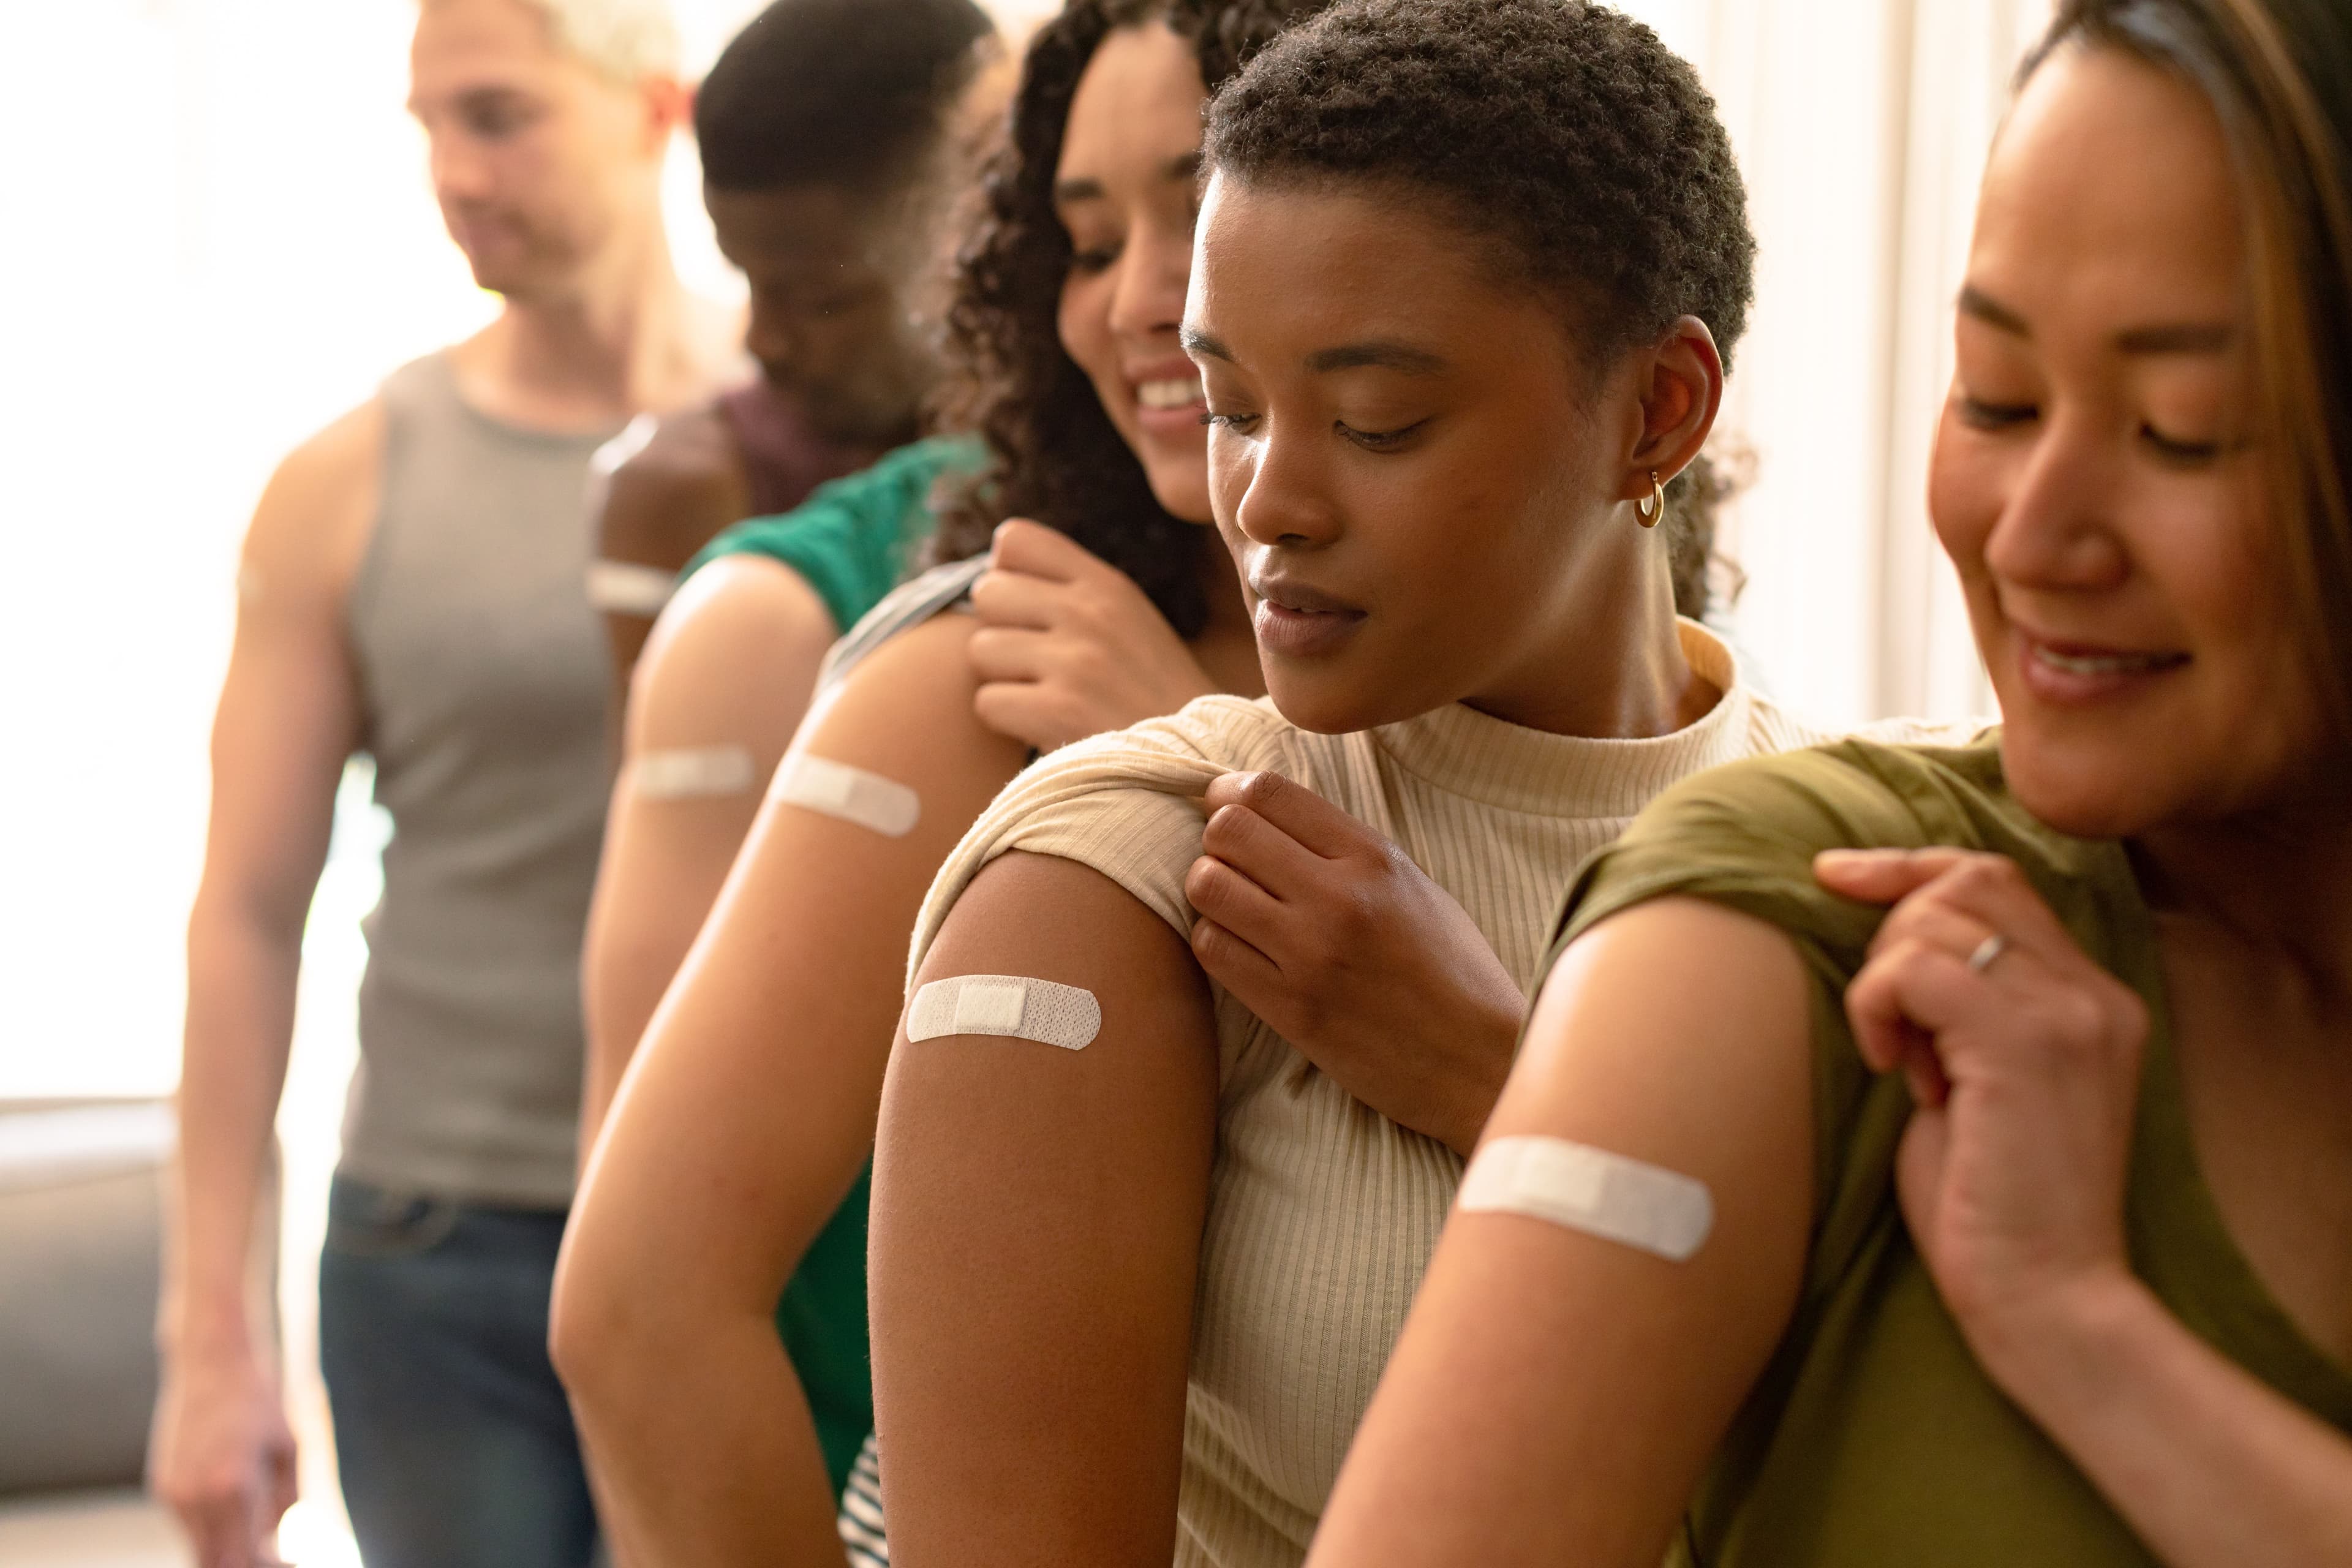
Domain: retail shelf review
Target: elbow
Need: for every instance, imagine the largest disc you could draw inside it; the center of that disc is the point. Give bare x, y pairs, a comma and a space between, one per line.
594, 1335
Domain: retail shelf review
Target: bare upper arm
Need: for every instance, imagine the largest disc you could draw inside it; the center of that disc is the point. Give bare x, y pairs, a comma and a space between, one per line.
1556, 1396
665, 502
726, 678
750, 1104
733, 659
290, 705
1037, 1218
674, 493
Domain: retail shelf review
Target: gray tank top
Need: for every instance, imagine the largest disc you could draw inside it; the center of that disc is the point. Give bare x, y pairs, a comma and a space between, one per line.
483, 682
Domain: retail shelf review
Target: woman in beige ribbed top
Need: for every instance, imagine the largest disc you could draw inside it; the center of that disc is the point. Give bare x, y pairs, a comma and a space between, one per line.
1129, 1301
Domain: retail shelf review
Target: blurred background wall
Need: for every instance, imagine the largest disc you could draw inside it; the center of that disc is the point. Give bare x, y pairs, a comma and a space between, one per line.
216, 234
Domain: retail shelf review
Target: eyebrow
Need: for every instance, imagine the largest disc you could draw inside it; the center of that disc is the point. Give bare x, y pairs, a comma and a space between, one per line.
1378, 354
2164, 338
1185, 166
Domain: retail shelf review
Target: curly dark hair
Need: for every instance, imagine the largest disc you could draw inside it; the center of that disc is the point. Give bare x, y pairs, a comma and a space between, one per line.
1562, 133
1056, 455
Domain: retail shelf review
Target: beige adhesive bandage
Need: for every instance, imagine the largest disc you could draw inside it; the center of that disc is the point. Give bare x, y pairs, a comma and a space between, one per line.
692, 773
626, 588
1590, 1189
1036, 1010
853, 794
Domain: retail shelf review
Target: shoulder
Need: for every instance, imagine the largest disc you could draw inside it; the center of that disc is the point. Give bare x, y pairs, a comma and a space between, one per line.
852, 536
1745, 835
707, 658
908, 706
681, 484
314, 516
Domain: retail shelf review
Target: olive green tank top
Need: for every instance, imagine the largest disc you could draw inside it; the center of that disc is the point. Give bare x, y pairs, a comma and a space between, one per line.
1872, 1438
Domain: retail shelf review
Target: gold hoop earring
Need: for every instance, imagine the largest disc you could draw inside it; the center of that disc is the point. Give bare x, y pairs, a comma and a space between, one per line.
1647, 511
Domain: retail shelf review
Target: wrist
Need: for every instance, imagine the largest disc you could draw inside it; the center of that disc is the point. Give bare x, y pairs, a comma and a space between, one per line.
211, 1326
1482, 1087
2069, 1347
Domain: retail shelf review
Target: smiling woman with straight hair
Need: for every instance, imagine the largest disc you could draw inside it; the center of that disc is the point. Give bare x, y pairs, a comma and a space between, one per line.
2021, 1073
1466, 270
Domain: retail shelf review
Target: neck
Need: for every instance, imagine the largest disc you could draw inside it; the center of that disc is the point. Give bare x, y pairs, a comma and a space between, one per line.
2275, 883
623, 338
1614, 626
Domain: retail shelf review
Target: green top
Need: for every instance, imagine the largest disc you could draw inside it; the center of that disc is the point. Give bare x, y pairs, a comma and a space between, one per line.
851, 539
1873, 1436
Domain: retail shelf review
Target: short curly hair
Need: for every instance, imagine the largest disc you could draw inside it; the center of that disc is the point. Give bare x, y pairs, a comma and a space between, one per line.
1564, 134
1055, 455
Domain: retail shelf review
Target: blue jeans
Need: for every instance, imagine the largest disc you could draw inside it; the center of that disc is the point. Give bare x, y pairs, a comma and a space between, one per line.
453, 1434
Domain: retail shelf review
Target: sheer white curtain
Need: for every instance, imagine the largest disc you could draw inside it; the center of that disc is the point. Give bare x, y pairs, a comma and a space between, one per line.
1861, 126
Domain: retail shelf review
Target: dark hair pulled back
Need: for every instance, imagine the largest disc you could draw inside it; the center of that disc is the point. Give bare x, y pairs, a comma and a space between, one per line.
1563, 133
1056, 456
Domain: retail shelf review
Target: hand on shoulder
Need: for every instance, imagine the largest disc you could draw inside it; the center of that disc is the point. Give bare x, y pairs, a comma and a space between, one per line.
1067, 646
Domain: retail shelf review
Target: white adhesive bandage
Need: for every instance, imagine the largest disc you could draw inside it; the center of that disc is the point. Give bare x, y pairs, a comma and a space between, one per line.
850, 794
1590, 1189
626, 588
1037, 1010
692, 773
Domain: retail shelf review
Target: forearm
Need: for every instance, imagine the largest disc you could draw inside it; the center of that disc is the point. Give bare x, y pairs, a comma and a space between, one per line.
2209, 1466
702, 1447
239, 1028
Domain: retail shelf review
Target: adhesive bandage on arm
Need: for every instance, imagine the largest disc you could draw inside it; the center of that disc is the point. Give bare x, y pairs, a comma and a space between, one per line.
1590, 1189
696, 772
626, 588
853, 794
1036, 1010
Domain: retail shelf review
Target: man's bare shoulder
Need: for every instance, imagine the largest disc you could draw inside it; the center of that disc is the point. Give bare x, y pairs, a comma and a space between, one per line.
312, 523
670, 495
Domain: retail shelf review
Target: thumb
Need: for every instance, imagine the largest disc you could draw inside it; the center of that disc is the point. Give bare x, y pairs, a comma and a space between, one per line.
1315, 822
1036, 551
1882, 876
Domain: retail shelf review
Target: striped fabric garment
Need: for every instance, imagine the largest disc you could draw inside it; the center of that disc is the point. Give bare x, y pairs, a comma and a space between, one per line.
1323, 1214
861, 1512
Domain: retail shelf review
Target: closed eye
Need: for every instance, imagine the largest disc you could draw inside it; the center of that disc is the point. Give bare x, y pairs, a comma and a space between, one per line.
2188, 454
1380, 440
1979, 415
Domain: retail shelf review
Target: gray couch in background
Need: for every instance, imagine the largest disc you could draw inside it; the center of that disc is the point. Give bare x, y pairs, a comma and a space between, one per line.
81, 1193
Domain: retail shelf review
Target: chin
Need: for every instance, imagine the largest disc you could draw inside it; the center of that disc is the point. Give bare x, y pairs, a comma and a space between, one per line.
2080, 790
1181, 486
1326, 701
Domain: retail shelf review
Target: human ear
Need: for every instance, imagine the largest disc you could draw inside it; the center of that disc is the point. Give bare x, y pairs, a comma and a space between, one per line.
667, 108
1681, 387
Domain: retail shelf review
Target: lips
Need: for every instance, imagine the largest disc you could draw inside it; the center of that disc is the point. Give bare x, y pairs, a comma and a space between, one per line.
1301, 622
1168, 398
1168, 394
2073, 673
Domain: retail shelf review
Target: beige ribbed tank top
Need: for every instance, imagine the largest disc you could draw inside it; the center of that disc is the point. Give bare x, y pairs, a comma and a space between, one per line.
1323, 1214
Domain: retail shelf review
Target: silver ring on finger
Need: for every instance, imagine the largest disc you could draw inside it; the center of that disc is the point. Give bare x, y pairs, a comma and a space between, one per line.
1988, 950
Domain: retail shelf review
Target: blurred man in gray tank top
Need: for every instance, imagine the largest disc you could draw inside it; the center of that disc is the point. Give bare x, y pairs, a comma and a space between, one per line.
411, 586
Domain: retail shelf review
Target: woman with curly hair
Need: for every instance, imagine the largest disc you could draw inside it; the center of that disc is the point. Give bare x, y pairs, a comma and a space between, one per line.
1466, 276
730, 1173
2017, 1071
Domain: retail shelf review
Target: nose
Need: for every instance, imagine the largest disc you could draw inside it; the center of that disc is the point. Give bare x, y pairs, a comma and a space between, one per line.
460, 171
1284, 499
2055, 532
771, 337
1154, 266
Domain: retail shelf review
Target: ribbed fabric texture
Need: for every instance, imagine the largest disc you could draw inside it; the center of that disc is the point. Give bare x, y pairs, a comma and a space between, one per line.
1322, 1213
